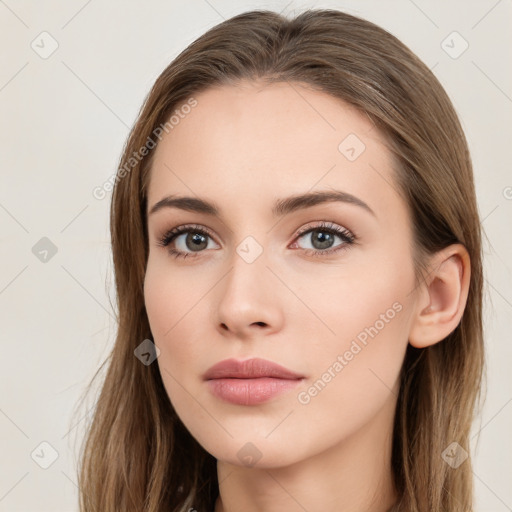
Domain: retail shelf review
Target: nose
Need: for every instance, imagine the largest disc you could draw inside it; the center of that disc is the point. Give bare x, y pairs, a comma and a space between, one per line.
248, 302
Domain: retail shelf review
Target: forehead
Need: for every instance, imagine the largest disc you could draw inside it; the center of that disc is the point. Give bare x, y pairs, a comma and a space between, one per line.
253, 140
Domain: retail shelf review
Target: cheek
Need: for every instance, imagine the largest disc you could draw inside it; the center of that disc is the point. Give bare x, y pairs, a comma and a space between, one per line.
169, 301
164, 310
357, 367
173, 308
367, 298
159, 302
170, 296
355, 373
173, 303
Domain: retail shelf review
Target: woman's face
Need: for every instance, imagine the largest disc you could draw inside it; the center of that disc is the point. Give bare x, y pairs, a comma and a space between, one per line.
322, 288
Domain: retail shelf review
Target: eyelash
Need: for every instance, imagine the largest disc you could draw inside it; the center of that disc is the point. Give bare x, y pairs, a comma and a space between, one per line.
347, 237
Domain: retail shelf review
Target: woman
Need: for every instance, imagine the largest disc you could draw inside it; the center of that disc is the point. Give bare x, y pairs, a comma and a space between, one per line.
297, 256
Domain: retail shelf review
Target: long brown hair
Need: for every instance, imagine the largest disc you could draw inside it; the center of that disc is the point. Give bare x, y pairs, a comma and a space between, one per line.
137, 454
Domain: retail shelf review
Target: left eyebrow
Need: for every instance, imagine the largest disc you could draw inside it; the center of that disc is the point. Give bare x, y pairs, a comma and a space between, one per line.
281, 206
297, 202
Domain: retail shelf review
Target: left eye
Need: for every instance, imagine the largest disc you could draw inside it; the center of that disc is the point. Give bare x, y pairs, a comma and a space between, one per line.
322, 238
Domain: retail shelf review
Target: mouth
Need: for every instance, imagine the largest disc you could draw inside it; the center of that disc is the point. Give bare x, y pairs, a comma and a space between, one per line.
250, 382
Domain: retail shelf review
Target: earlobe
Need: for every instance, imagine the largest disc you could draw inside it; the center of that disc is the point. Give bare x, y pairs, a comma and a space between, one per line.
442, 297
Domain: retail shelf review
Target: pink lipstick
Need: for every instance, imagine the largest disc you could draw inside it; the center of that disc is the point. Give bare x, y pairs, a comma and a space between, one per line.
250, 382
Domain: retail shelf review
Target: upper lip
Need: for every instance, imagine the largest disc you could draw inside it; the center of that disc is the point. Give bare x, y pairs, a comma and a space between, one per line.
249, 369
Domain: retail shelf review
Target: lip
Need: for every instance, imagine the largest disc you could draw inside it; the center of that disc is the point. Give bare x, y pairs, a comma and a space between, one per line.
249, 369
250, 382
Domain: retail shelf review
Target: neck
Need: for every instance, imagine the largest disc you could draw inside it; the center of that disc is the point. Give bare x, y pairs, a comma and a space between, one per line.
353, 476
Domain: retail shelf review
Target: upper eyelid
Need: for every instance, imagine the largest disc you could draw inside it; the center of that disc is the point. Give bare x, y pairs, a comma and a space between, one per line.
324, 224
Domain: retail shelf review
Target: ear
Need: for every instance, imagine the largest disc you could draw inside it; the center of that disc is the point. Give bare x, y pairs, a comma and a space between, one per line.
442, 297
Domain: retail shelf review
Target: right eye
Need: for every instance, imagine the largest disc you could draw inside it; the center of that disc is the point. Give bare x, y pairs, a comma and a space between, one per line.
188, 237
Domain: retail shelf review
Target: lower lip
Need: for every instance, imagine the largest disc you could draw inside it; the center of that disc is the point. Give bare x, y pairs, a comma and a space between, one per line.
250, 391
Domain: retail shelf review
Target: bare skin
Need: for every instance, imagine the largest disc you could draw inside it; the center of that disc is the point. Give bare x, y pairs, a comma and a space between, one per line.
323, 445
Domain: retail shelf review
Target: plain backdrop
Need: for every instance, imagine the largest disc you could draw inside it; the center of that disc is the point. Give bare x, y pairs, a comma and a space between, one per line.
64, 118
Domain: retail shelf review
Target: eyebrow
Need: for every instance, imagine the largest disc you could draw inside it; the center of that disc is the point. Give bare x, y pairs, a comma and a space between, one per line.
281, 206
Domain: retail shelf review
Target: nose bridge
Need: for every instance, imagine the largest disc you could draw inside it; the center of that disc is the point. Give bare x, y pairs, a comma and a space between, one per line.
248, 269
248, 296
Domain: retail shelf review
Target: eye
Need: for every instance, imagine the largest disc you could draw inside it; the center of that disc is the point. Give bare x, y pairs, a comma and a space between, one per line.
193, 238
322, 238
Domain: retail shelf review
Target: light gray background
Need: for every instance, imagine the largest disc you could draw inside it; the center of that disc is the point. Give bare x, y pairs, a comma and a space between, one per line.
64, 120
